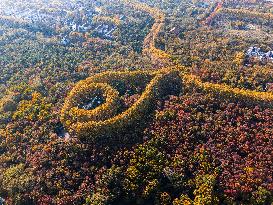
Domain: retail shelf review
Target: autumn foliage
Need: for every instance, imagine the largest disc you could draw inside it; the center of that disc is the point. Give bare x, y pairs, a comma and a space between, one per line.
100, 122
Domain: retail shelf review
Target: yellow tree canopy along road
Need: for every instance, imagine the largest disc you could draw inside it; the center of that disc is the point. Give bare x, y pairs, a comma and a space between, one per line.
107, 119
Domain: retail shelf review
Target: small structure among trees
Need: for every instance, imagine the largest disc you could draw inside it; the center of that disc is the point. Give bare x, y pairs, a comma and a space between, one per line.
257, 53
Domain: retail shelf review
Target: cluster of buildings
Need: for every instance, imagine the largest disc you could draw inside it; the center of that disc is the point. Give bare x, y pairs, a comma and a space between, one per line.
76, 23
60, 17
29, 13
48, 15
105, 30
80, 25
102, 30
35, 16
257, 53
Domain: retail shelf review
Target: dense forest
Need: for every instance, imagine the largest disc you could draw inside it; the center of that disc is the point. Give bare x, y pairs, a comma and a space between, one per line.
136, 102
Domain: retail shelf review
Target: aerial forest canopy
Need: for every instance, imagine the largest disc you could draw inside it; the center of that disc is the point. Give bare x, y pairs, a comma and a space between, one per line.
136, 102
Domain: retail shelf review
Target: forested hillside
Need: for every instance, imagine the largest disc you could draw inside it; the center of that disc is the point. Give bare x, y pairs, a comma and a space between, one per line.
126, 102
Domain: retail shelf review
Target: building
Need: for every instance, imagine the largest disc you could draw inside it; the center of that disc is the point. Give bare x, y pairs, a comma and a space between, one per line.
65, 41
257, 53
2, 201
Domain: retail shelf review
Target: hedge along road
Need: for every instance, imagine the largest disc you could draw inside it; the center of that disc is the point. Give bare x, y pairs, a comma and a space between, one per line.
105, 120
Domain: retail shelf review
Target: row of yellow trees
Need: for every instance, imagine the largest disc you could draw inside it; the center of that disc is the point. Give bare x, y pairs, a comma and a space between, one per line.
149, 47
102, 120
105, 120
227, 92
